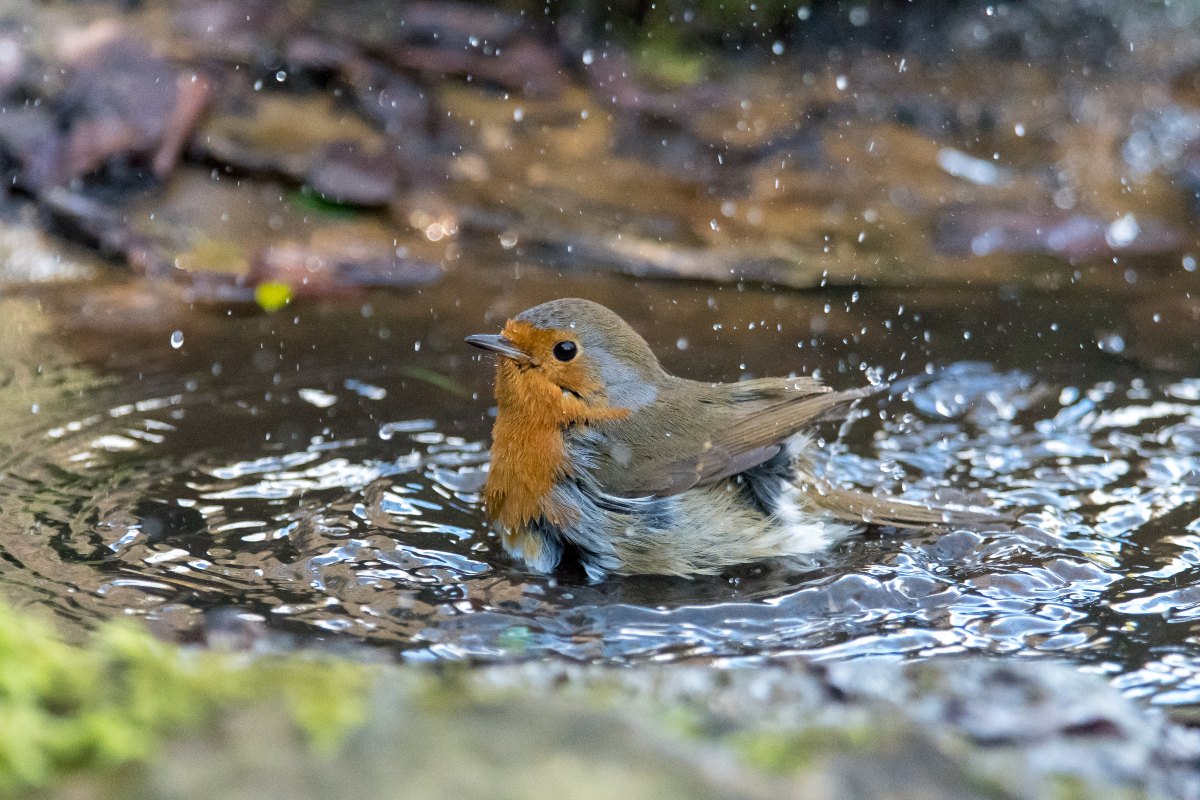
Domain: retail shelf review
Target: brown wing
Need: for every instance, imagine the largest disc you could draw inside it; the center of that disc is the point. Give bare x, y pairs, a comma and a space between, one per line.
695, 434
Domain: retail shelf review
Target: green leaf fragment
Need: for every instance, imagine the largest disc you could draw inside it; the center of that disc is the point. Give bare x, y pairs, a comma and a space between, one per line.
272, 295
444, 382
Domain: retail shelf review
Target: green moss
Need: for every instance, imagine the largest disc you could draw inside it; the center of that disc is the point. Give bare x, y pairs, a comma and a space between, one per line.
1069, 787
450, 692
669, 60
688, 722
114, 700
784, 751
1064, 786
306, 200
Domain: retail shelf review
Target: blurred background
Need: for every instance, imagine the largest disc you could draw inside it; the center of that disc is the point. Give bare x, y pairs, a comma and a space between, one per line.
241, 243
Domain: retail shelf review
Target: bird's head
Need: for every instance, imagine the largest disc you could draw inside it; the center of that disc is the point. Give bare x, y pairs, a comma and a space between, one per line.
578, 348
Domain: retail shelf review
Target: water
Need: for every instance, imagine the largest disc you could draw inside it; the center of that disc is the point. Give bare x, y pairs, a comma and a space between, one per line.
316, 474
310, 478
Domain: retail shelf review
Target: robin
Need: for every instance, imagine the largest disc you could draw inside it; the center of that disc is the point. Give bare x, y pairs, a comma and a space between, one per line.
598, 450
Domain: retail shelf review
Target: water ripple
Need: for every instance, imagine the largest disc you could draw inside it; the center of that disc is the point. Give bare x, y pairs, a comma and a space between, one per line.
349, 526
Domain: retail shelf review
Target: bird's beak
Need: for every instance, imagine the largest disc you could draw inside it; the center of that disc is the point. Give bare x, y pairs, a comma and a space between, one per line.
498, 344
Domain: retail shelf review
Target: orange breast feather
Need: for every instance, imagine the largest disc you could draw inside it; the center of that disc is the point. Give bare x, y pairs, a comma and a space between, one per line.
528, 451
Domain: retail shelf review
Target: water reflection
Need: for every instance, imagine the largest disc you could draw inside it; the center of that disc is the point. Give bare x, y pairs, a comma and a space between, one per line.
327, 494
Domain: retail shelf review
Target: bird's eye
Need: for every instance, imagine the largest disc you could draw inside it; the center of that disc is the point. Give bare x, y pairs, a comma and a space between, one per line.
565, 351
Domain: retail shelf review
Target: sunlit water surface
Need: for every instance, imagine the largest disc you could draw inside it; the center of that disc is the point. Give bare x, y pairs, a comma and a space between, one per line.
315, 475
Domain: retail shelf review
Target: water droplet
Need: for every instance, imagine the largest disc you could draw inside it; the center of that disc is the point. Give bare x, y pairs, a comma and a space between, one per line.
1122, 232
1112, 343
177, 339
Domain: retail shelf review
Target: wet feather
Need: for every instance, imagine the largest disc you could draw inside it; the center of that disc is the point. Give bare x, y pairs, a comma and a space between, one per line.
605, 454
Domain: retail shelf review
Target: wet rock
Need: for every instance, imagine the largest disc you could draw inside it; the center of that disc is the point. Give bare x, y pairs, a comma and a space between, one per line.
406, 113
24, 75
27, 255
213, 255
964, 231
769, 262
1046, 32
478, 42
315, 58
218, 290
527, 65
376, 24
858, 731
613, 77
340, 259
106, 228
124, 101
443, 749
1048, 719
30, 146
402, 108
702, 130
283, 135
14, 61
243, 31
345, 174
459, 24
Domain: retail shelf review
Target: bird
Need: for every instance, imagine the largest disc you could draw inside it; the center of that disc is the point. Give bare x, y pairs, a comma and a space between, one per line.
601, 454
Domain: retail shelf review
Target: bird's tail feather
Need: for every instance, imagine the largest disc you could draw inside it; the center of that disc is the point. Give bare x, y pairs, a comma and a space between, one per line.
856, 506
853, 505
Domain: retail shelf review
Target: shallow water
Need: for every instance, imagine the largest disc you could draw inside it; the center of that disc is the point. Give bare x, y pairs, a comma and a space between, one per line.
310, 478
314, 475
